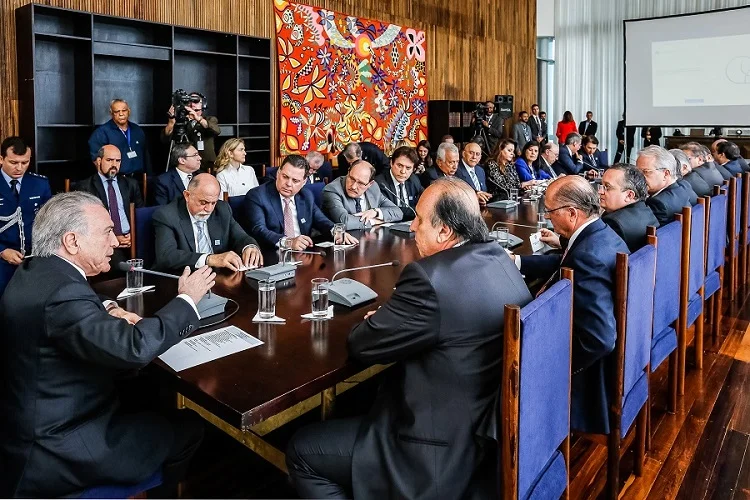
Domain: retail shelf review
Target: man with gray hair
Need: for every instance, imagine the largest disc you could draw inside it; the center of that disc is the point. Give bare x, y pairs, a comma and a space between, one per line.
362, 151
446, 164
666, 196
591, 248
698, 164
62, 427
442, 326
690, 179
320, 169
570, 162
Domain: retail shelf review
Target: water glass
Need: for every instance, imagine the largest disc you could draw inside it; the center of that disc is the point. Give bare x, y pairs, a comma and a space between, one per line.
501, 235
514, 195
266, 299
320, 297
541, 220
134, 279
338, 231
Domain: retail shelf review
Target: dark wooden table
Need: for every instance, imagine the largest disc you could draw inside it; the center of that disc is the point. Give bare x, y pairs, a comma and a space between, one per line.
302, 364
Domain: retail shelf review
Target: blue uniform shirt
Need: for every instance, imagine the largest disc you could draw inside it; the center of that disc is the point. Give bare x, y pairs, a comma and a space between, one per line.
134, 140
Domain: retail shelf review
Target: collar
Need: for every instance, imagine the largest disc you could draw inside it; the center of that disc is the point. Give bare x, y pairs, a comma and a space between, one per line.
183, 175
659, 191
83, 273
9, 178
579, 231
193, 220
470, 169
105, 179
395, 181
290, 199
460, 243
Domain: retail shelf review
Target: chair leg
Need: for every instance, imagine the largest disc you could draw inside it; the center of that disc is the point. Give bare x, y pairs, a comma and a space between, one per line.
681, 355
613, 464
699, 342
640, 441
672, 382
648, 419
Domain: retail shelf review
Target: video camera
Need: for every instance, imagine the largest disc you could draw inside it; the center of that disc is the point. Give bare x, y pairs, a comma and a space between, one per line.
180, 102
482, 112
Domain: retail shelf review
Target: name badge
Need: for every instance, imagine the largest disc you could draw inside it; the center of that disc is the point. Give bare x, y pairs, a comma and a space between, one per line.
34, 197
199, 145
132, 154
217, 242
303, 221
411, 198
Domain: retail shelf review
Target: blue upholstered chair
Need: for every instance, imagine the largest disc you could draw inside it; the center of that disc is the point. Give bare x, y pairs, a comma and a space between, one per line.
744, 254
123, 491
142, 234
734, 226
535, 395
317, 191
716, 242
634, 308
235, 203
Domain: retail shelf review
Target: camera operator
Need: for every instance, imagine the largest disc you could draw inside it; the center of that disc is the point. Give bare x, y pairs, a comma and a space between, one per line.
491, 125
200, 130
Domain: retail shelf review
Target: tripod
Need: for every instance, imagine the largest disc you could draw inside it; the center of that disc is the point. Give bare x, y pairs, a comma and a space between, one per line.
182, 138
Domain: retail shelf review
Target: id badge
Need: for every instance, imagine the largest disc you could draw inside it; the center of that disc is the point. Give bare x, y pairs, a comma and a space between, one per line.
199, 145
132, 154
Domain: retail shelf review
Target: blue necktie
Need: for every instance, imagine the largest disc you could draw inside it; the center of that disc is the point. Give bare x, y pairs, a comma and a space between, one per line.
357, 205
204, 245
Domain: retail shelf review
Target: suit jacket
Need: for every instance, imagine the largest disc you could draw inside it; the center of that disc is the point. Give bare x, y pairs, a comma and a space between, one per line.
413, 187
710, 174
175, 238
699, 186
129, 190
168, 186
596, 162
669, 202
494, 131
340, 208
527, 172
536, 130
591, 129
371, 154
620, 133
630, 223
463, 173
692, 196
264, 215
429, 175
443, 328
61, 430
743, 164
570, 165
725, 174
655, 136
592, 258
542, 166
522, 134
733, 167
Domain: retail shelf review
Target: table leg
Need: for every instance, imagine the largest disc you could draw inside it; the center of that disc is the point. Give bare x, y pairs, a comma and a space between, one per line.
327, 403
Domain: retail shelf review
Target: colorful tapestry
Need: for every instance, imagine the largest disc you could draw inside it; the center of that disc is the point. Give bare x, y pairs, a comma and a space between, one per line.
346, 79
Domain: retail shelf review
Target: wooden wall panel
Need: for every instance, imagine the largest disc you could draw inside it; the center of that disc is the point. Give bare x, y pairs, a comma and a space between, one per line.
476, 48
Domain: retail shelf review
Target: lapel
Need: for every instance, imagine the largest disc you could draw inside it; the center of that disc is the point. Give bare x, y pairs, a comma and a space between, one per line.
122, 183
370, 196
275, 201
215, 232
99, 188
299, 203
590, 229
5, 189
177, 181
186, 224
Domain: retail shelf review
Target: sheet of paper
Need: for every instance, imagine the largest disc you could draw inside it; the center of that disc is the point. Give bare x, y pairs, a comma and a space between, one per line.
246, 268
207, 347
328, 244
536, 243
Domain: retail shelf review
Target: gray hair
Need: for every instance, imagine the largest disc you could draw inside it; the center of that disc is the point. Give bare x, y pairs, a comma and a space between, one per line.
315, 156
632, 179
682, 159
663, 159
579, 193
446, 147
63, 213
572, 138
371, 170
457, 207
116, 100
353, 151
695, 150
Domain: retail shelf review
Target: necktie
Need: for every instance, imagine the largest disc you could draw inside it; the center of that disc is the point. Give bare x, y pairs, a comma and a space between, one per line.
288, 219
475, 179
114, 212
405, 198
14, 188
554, 275
188, 178
357, 205
204, 245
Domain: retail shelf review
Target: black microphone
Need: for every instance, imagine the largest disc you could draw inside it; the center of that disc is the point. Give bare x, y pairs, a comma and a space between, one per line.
393, 263
397, 197
501, 187
124, 266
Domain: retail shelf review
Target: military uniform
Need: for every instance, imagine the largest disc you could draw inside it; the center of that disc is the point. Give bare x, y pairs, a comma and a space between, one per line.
34, 192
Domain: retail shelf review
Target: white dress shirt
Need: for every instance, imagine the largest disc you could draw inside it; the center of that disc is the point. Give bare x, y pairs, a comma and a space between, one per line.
184, 177
403, 196
236, 181
293, 208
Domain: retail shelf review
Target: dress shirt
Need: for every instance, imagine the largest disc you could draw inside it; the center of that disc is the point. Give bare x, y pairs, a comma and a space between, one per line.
538, 123
9, 178
550, 170
293, 208
517, 258
202, 259
236, 181
184, 177
107, 303
403, 196
124, 224
475, 179
366, 206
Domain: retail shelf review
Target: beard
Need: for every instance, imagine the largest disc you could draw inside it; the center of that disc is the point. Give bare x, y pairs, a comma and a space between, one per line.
202, 216
112, 173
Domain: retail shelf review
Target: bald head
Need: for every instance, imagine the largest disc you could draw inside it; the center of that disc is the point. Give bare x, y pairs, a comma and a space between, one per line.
202, 195
575, 191
204, 182
108, 160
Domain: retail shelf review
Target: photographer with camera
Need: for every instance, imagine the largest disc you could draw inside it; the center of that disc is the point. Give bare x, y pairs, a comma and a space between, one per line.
187, 124
488, 125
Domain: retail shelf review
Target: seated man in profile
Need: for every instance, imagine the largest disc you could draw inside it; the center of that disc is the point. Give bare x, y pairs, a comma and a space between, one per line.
572, 204
728, 156
666, 196
446, 164
280, 214
591, 157
738, 154
198, 230
399, 184
442, 326
569, 161
691, 179
355, 199
698, 164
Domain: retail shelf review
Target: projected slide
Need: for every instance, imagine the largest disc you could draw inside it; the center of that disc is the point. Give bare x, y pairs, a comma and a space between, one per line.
701, 72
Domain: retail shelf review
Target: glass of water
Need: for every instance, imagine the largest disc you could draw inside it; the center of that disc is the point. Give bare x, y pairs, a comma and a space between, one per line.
320, 297
541, 221
338, 231
501, 235
134, 279
266, 299
514, 195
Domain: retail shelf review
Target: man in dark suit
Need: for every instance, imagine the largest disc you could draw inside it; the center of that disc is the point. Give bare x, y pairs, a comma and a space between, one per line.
356, 201
492, 126
426, 433
184, 162
572, 204
399, 184
446, 164
198, 230
19, 189
651, 136
535, 122
592, 157
698, 164
281, 214
622, 195
544, 131
470, 172
699, 186
62, 426
727, 155
588, 126
570, 162
119, 193
362, 151
623, 140
666, 196
548, 159
320, 169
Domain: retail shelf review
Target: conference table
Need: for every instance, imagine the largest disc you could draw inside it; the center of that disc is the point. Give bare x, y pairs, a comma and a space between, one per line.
302, 364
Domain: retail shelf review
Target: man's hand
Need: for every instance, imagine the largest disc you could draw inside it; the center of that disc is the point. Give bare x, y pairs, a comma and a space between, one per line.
228, 260
349, 239
195, 285
621, 141
12, 256
251, 256
485, 123
128, 316
301, 242
550, 238
367, 215
124, 240
483, 198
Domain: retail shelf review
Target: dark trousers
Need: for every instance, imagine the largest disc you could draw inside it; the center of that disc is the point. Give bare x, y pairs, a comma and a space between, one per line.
188, 435
620, 150
319, 458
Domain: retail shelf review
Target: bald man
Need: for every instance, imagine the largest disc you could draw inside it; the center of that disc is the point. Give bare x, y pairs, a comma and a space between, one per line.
572, 204
197, 229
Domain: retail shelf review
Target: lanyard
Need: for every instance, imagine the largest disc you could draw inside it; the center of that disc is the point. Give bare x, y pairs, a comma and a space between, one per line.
126, 133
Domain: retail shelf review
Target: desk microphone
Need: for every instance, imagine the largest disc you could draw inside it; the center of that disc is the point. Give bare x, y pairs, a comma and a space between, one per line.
351, 293
398, 198
501, 203
308, 252
124, 266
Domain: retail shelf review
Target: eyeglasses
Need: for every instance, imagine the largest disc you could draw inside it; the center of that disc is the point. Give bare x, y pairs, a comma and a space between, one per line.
356, 183
548, 211
192, 156
649, 171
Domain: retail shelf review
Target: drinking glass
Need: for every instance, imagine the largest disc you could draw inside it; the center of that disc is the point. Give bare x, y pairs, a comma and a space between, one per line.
541, 221
266, 299
134, 279
502, 236
320, 297
514, 195
338, 231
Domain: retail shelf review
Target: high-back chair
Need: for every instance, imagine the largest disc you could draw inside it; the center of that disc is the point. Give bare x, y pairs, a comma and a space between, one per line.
235, 203
743, 253
122, 490
142, 240
734, 216
716, 242
535, 395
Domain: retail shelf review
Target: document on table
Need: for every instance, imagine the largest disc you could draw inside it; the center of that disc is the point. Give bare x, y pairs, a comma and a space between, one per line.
207, 347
